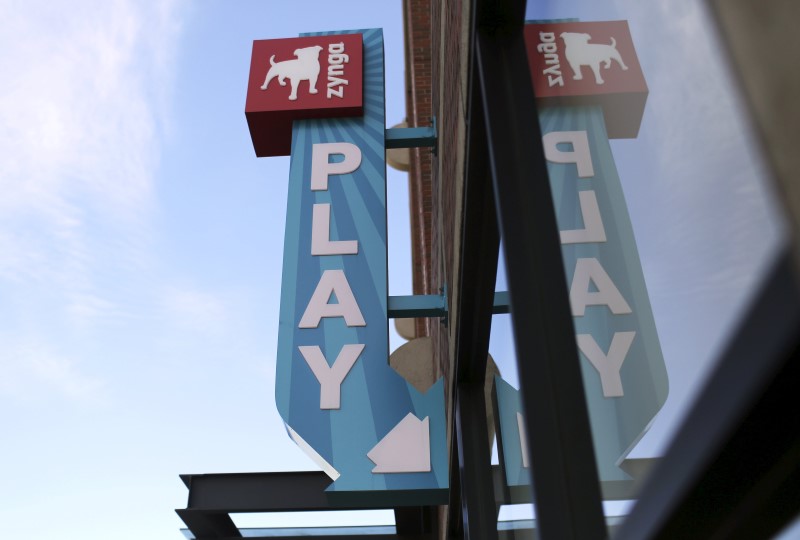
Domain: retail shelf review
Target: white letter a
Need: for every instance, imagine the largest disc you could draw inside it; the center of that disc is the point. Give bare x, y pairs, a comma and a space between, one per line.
332, 282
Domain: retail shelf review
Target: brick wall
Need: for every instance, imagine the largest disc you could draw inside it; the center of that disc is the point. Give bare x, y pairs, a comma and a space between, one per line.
447, 23
417, 22
436, 74
436, 84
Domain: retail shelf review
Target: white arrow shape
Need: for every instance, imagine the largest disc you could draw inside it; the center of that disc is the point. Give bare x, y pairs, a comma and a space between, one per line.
405, 449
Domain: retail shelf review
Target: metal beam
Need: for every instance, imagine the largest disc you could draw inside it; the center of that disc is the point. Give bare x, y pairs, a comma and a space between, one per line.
318, 534
618, 490
212, 497
478, 507
265, 492
415, 520
733, 469
259, 492
435, 305
564, 471
418, 305
502, 303
209, 525
418, 137
472, 509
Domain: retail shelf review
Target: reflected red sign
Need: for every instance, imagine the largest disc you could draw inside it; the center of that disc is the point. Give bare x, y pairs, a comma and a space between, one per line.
299, 78
589, 63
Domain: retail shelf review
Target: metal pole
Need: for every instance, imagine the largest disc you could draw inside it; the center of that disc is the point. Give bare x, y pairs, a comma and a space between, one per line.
565, 480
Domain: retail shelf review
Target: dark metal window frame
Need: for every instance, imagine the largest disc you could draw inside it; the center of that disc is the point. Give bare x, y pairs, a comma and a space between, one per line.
733, 468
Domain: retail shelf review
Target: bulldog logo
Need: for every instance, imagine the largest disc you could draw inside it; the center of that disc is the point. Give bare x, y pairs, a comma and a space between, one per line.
580, 52
305, 67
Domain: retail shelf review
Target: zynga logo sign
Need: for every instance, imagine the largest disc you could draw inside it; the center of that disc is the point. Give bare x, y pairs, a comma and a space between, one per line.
588, 63
579, 53
582, 57
306, 67
299, 78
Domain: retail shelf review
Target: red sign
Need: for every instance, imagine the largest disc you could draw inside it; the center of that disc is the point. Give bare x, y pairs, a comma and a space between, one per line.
298, 78
589, 63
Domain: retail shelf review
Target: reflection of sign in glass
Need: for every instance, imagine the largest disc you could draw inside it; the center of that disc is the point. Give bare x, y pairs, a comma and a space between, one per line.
579, 52
623, 369
582, 63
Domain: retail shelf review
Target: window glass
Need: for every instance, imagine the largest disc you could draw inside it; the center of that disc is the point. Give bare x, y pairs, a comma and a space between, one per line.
667, 217
705, 223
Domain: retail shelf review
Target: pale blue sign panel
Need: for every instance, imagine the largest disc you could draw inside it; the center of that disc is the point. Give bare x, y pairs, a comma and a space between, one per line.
624, 374
369, 429
623, 369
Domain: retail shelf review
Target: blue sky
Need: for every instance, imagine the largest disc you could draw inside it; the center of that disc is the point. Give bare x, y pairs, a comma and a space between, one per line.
140, 249
141, 242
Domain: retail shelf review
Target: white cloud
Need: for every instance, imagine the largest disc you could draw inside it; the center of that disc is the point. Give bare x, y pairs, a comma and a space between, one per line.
196, 310
30, 369
85, 87
709, 211
84, 99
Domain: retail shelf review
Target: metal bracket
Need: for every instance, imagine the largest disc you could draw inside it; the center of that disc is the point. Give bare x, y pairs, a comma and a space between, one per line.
419, 137
418, 305
435, 305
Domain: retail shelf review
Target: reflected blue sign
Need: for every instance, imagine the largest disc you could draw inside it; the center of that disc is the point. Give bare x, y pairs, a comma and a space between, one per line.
624, 374
623, 369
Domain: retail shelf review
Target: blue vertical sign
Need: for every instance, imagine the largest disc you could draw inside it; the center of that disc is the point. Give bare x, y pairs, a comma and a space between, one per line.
623, 369
624, 374
377, 437
590, 87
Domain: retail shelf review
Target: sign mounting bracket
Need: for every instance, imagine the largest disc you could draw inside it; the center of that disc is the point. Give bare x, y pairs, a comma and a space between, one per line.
418, 137
435, 305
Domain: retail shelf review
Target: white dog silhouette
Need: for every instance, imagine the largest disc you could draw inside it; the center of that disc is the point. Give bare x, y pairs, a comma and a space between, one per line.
580, 52
304, 68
